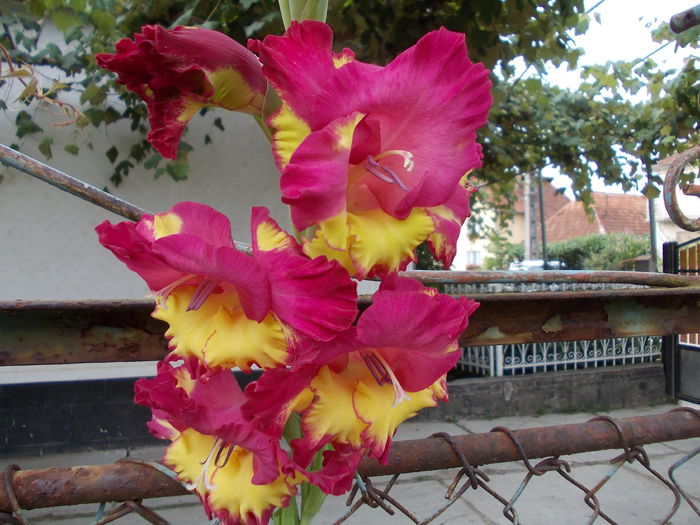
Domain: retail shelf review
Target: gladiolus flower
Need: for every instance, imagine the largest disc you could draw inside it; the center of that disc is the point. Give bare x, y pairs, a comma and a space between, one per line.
373, 158
223, 306
240, 473
179, 72
370, 378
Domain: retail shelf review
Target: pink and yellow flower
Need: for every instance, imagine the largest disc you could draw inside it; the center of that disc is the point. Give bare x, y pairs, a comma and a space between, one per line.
225, 307
369, 379
373, 159
239, 472
179, 72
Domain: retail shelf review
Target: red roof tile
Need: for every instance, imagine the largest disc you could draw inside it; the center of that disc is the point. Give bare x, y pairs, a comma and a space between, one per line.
554, 200
612, 213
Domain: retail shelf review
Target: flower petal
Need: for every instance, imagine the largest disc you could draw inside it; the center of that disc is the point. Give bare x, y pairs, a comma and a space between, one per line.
416, 333
219, 333
448, 219
132, 243
180, 71
314, 183
192, 255
230, 493
299, 63
315, 296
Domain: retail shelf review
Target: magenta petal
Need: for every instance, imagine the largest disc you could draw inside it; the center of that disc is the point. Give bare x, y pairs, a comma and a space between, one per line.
133, 243
134, 250
213, 406
315, 296
268, 398
174, 71
315, 180
338, 471
210, 225
434, 77
299, 63
416, 334
191, 255
448, 220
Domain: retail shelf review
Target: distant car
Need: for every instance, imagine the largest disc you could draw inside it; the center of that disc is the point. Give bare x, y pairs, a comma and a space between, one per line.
535, 264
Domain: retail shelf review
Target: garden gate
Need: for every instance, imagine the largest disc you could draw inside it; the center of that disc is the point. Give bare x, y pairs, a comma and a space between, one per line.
682, 352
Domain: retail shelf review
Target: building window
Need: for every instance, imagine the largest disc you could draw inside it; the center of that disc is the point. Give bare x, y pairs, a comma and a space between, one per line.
473, 257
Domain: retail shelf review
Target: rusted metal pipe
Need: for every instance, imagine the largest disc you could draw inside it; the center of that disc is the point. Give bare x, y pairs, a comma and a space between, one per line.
99, 331
685, 19
124, 481
671, 181
422, 455
553, 276
69, 184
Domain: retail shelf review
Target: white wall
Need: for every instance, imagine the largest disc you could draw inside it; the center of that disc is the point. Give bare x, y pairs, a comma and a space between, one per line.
48, 247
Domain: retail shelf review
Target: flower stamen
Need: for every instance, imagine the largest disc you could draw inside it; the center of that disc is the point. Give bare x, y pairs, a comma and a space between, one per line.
205, 467
387, 174
376, 368
408, 163
383, 374
164, 292
229, 451
204, 290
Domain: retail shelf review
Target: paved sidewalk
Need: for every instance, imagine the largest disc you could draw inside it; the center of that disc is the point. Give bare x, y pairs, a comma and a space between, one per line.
632, 496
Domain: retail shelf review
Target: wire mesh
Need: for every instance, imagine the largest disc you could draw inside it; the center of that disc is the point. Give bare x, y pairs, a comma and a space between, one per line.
461, 494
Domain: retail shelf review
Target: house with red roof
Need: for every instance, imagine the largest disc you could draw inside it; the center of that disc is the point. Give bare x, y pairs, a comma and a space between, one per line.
611, 213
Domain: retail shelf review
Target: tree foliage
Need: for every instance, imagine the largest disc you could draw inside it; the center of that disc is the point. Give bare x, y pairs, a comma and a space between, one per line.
594, 130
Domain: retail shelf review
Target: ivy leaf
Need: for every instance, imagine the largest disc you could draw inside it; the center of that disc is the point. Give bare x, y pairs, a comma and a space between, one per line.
65, 19
651, 192
72, 149
45, 146
112, 154
95, 115
25, 125
152, 161
184, 18
177, 170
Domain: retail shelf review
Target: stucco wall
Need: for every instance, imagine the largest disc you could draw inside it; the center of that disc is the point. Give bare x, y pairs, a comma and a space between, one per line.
48, 247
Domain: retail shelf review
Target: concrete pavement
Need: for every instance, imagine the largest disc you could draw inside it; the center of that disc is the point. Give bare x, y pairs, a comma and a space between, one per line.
632, 496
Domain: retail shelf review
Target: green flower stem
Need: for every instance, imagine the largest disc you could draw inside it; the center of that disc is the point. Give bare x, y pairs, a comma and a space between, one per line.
303, 10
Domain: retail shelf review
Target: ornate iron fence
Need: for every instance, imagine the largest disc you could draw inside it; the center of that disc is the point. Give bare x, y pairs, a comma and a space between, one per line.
503, 360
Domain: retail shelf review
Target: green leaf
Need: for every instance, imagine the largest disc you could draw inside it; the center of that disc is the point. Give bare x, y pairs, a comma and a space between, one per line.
153, 161
103, 20
65, 19
94, 94
111, 115
651, 192
177, 170
287, 515
112, 154
45, 146
72, 149
25, 125
184, 18
95, 115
